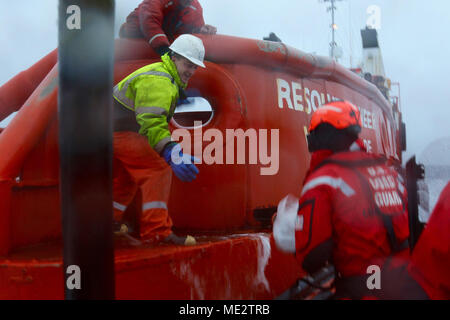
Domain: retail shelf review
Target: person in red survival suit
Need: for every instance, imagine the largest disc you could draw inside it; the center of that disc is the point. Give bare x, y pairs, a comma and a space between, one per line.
161, 21
430, 262
352, 211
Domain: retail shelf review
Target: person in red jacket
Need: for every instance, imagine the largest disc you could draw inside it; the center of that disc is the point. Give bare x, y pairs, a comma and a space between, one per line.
161, 21
352, 212
430, 262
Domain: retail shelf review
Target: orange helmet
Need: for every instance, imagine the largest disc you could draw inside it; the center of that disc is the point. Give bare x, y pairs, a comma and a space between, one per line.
339, 114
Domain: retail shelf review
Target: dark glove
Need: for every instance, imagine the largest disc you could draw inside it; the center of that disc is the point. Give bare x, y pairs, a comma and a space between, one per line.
181, 164
188, 93
192, 92
162, 50
182, 97
180, 102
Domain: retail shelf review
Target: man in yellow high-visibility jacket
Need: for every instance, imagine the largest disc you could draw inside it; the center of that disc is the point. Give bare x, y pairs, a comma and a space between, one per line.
145, 102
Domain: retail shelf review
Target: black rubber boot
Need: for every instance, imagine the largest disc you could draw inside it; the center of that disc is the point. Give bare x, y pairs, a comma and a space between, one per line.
174, 239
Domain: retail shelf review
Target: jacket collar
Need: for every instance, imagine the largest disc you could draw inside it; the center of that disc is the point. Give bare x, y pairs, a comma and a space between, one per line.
172, 68
317, 157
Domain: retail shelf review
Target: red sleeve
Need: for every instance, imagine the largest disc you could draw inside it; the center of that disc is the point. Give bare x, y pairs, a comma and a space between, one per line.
192, 19
151, 17
313, 237
199, 22
430, 263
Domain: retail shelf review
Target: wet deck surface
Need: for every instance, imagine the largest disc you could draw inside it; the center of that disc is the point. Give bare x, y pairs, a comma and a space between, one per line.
229, 266
125, 247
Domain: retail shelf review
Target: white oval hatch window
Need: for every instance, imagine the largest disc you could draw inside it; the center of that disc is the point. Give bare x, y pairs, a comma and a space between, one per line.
193, 111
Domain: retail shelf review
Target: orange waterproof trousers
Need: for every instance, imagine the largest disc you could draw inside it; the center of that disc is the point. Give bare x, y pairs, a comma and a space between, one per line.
137, 165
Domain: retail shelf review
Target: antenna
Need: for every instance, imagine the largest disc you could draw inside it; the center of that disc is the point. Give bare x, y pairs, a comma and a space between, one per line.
350, 35
333, 45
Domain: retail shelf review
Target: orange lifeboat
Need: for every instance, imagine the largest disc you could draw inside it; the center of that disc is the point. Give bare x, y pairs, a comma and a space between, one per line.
262, 90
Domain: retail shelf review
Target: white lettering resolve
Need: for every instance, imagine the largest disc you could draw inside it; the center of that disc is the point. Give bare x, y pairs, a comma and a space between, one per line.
309, 100
294, 96
298, 97
284, 93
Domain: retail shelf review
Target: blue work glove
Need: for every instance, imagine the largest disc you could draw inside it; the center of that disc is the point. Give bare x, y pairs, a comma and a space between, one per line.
184, 101
192, 92
182, 164
188, 93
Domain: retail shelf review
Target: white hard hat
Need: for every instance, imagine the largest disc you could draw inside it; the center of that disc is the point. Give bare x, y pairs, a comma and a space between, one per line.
190, 47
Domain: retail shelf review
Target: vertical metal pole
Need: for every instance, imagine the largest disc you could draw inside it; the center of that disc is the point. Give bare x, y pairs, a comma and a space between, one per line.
86, 60
414, 172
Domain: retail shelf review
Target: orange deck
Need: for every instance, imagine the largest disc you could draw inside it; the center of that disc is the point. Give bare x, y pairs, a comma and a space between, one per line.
240, 266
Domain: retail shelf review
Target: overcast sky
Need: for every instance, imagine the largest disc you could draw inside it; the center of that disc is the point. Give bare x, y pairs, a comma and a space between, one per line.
413, 38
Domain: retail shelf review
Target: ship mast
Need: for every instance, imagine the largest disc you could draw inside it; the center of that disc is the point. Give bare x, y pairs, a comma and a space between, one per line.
333, 44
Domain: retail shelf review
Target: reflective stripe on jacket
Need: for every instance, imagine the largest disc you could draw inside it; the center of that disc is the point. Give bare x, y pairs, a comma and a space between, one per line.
151, 92
341, 213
